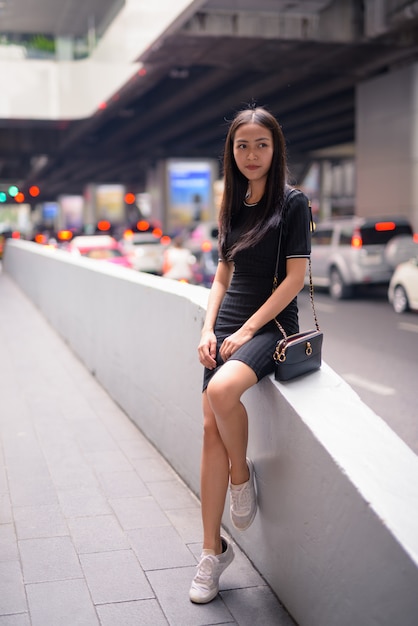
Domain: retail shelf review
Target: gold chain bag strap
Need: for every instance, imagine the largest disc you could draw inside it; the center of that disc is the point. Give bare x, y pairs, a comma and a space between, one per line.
299, 354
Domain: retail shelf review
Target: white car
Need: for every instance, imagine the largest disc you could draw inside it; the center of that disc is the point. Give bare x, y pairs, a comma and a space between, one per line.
349, 252
146, 251
403, 287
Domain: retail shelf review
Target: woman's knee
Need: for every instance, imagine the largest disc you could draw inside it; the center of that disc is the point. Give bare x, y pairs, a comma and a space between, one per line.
221, 394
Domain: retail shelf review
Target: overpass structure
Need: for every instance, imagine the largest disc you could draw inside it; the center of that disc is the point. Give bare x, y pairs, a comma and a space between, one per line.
159, 80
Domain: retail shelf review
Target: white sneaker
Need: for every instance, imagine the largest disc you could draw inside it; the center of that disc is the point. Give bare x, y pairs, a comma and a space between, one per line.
243, 502
205, 584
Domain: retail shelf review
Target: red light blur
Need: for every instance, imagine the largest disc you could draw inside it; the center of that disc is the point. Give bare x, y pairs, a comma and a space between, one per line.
128, 234
40, 238
165, 240
415, 237
102, 106
19, 197
157, 232
130, 198
64, 235
142, 225
15, 234
385, 226
34, 191
142, 71
206, 246
356, 240
103, 225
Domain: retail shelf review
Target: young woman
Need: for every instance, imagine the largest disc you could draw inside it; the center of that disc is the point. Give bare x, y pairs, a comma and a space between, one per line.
239, 335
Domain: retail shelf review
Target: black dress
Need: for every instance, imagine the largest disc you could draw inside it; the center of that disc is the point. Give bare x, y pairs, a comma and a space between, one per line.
251, 286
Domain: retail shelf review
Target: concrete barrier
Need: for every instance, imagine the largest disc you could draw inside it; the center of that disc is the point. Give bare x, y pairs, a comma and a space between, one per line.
336, 536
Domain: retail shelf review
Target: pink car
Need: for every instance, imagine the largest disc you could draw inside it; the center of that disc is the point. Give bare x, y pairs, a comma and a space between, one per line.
100, 247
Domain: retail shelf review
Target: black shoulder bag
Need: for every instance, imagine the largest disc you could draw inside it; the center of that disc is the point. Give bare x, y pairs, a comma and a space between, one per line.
298, 354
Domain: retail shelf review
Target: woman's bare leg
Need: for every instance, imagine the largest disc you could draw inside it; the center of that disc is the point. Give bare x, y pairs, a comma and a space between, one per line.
224, 398
214, 480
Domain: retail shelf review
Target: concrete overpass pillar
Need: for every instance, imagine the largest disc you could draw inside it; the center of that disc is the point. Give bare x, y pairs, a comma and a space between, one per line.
387, 145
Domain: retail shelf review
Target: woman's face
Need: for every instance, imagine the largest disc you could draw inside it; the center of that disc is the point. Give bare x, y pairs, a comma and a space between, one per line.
253, 151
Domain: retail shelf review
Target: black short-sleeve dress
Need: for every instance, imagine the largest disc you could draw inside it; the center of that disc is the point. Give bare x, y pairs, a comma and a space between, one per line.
251, 286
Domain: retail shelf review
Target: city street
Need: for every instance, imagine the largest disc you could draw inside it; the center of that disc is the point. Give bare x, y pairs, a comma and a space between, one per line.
375, 351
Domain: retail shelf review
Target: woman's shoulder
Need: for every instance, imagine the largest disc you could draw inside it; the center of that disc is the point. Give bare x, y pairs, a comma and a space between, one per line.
293, 194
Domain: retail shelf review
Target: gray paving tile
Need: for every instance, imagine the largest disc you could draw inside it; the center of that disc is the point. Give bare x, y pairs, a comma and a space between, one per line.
83, 501
256, 605
188, 523
153, 470
5, 509
108, 461
137, 447
45, 520
71, 470
8, 543
78, 410
12, 596
138, 512
4, 487
92, 436
160, 547
32, 491
19, 619
117, 423
63, 603
172, 494
122, 484
100, 533
172, 586
49, 559
115, 577
140, 613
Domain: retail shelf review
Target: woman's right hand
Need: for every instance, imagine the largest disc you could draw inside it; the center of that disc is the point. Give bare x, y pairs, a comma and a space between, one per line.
207, 349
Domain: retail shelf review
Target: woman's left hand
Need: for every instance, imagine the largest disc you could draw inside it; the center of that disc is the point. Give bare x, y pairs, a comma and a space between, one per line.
233, 342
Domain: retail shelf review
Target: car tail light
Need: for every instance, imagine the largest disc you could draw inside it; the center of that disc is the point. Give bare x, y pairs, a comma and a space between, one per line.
128, 234
103, 225
385, 226
64, 235
143, 225
157, 232
416, 237
356, 240
165, 240
15, 234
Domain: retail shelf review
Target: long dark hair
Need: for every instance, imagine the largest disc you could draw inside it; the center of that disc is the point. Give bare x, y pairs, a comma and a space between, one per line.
236, 184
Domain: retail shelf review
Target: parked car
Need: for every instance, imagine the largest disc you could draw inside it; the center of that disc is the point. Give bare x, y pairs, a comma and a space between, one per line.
400, 249
203, 234
146, 250
403, 286
350, 251
99, 247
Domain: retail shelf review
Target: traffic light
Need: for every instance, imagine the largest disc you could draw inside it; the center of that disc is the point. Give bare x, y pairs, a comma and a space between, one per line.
3, 196
13, 191
34, 191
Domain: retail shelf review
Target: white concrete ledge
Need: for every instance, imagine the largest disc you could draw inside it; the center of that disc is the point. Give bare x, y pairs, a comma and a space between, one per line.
336, 535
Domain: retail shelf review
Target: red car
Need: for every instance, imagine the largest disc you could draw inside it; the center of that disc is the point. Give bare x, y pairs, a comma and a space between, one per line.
100, 247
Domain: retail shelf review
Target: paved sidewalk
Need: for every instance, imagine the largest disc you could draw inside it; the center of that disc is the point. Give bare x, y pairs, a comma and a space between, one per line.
95, 526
